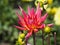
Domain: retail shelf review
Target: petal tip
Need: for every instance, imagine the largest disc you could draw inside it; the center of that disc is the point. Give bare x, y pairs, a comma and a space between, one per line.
50, 25
20, 8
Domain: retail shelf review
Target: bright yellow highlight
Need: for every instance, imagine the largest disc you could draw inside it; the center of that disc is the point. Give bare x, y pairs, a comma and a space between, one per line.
20, 40
22, 35
44, 3
57, 17
48, 10
47, 29
49, 1
36, 3
52, 10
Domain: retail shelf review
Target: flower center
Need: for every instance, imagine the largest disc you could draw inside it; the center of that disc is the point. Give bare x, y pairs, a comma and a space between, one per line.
33, 26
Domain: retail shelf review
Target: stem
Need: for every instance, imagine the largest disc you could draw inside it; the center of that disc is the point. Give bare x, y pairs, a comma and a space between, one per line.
26, 42
34, 41
42, 37
48, 39
54, 38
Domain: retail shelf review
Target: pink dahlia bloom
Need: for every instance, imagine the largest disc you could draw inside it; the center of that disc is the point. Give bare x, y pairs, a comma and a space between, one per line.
31, 21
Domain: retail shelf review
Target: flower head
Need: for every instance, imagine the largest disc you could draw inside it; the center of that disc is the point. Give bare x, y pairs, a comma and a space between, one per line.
20, 40
32, 21
22, 35
44, 4
47, 28
52, 10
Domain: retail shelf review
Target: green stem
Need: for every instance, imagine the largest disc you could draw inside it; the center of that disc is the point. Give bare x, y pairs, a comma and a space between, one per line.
54, 38
34, 41
26, 42
48, 39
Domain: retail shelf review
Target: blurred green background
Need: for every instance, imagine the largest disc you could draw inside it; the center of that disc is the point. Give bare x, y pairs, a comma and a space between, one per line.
8, 18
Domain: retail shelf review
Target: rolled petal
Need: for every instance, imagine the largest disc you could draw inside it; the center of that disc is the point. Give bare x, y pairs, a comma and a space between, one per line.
20, 28
21, 20
35, 30
42, 26
43, 18
38, 12
28, 34
50, 25
32, 13
23, 12
29, 11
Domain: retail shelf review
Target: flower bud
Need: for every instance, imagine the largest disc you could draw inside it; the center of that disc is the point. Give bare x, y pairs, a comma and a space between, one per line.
47, 29
22, 35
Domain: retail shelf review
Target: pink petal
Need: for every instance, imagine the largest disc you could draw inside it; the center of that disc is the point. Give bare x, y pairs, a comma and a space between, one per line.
38, 11
20, 28
26, 26
35, 30
28, 34
43, 18
29, 11
23, 12
21, 20
50, 25
32, 11
42, 26
25, 18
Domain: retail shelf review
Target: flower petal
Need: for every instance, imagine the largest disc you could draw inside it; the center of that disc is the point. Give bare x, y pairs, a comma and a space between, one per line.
35, 30
23, 12
32, 11
29, 11
42, 26
38, 12
50, 25
20, 28
21, 20
28, 34
43, 18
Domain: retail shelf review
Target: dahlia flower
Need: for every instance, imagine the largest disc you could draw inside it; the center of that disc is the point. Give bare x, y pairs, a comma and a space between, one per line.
31, 22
